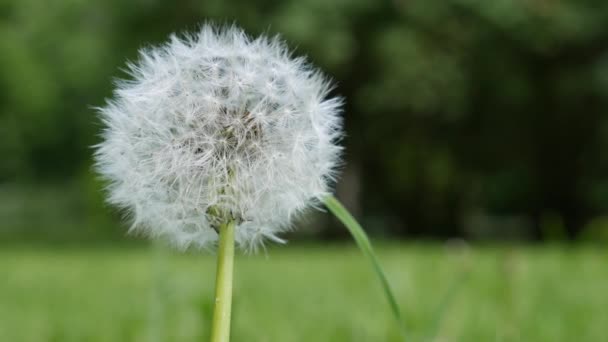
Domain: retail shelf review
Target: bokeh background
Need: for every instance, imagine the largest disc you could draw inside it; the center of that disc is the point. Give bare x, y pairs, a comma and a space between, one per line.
475, 158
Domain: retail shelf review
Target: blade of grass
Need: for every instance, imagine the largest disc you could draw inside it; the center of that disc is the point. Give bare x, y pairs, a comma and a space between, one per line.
444, 305
158, 292
365, 246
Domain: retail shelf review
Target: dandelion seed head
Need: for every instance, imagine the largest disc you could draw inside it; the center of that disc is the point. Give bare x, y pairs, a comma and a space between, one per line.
217, 125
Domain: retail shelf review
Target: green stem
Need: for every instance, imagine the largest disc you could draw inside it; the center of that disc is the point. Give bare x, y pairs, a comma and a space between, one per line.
365, 246
220, 328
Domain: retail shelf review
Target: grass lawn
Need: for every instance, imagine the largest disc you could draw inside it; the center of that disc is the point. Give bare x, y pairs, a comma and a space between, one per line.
307, 293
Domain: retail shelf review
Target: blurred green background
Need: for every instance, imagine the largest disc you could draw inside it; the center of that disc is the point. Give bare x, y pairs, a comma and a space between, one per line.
470, 123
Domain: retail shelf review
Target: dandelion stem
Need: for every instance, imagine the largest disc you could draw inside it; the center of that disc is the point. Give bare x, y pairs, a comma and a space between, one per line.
220, 328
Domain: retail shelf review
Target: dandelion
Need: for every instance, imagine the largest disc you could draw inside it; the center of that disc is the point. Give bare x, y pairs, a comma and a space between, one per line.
219, 138
217, 127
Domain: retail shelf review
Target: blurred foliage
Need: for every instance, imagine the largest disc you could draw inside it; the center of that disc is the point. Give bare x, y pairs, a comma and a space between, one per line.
463, 116
307, 293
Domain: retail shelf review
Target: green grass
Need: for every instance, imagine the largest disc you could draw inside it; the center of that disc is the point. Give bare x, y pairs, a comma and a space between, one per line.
306, 293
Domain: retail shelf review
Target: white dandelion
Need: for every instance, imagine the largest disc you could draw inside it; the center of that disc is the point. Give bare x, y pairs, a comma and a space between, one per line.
219, 137
216, 127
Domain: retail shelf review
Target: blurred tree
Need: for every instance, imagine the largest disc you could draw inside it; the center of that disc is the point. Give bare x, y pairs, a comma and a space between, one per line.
454, 107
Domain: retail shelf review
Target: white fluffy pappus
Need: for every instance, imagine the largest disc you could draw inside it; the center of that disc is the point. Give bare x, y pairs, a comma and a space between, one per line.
218, 126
